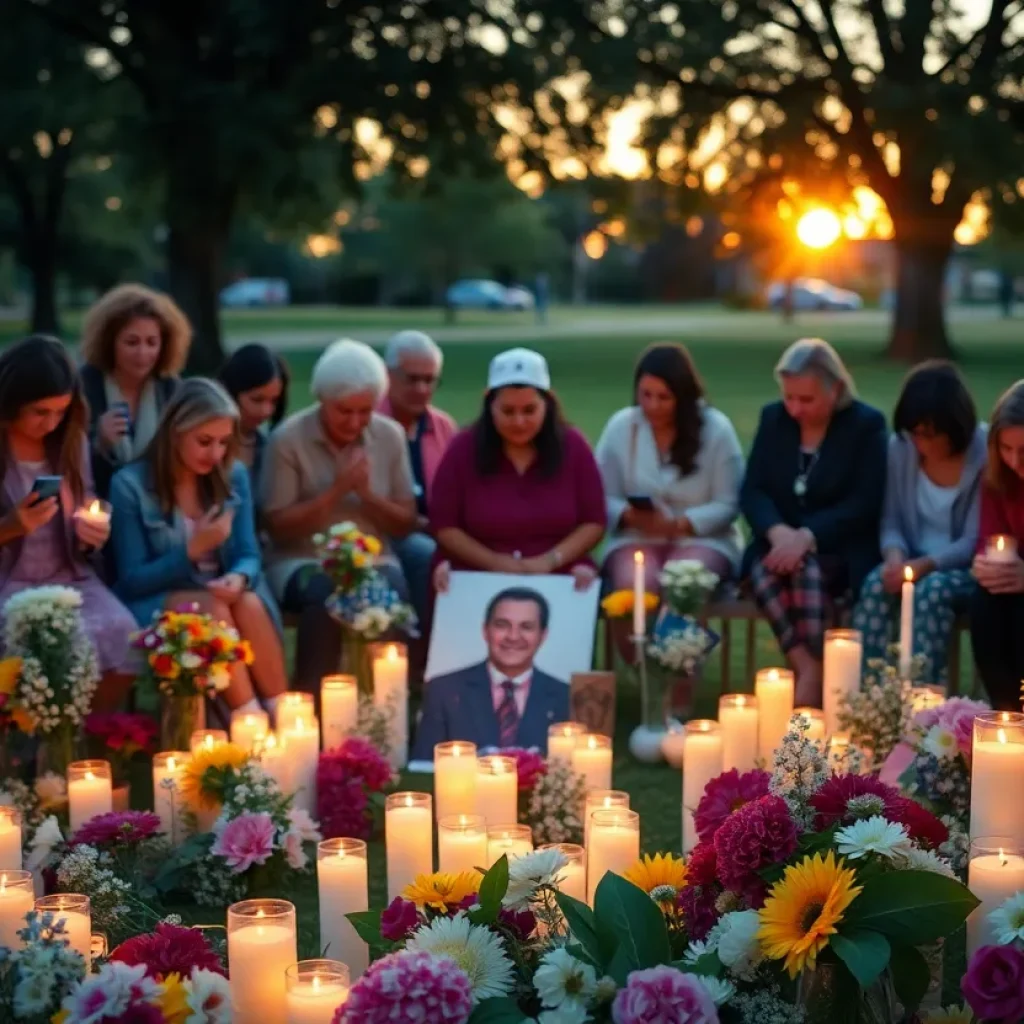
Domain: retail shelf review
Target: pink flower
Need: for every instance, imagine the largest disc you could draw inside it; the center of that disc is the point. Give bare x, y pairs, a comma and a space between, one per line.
117, 828
663, 995
407, 986
530, 766
293, 851
725, 794
245, 840
345, 778
399, 919
994, 984
170, 949
756, 836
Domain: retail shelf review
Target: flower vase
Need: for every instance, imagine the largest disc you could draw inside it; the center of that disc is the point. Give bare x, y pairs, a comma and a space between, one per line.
357, 660
57, 749
645, 741
830, 995
180, 716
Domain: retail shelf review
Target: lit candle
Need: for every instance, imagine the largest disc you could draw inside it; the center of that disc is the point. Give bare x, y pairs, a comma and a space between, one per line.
291, 706
206, 739
408, 839
614, 846
274, 761
16, 900
592, 758
1001, 548
454, 778
995, 872
314, 990
90, 791
461, 843
303, 742
773, 688
639, 609
702, 762
815, 719
339, 708
906, 622
562, 738
497, 789
342, 882
10, 839
509, 841
601, 800
97, 513
391, 692
572, 879
168, 768
76, 913
997, 772
262, 945
248, 728
843, 651
737, 715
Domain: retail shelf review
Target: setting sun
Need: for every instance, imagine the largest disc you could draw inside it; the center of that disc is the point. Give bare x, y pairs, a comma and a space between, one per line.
819, 228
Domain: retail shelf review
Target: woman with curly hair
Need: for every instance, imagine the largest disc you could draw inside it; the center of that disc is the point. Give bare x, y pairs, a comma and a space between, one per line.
134, 344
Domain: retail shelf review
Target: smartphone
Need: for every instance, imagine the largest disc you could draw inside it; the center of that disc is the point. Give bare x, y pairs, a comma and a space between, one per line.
641, 502
46, 487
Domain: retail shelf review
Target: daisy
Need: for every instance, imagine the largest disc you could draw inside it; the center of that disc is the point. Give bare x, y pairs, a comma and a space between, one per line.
528, 873
720, 990
209, 998
804, 909
662, 876
941, 743
1007, 920
476, 951
873, 835
927, 860
442, 890
562, 981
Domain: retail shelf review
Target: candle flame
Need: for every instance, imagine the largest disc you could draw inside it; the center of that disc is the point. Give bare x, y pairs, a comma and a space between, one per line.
89, 776
391, 653
1005, 716
607, 801
773, 674
270, 742
1000, 543
408, 800
908, 574
208, 740
316, 982
94, 508
463, 820
592, 743
638, 558
1001, 735
260, 913
300, 724
741, 701
1002, 858
341, 851
171, 764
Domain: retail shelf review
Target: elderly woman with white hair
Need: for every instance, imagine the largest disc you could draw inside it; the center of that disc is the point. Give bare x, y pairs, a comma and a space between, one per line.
338, 460
813, 495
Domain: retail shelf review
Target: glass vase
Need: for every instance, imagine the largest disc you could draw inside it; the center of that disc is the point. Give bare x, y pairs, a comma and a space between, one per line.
357, 660
57, 749
180, 716
830, 995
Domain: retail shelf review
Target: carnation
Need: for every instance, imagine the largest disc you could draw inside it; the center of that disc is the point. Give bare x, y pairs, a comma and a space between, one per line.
118, 828
170, 949
725, 794
756, 836
697, 900
663, 994
245, 840
345, 777
530, 766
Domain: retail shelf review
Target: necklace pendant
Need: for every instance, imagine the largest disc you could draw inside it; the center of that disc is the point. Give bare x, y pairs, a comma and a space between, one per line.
800, 486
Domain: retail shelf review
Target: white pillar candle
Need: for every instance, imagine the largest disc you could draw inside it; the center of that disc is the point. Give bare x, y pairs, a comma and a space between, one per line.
90, 791
248, 728
497, 789
844, 649
997, 773
773, 688
303, 743
17, 898
10, 839
702, 762
262, 945
391, 692
293, 705
572, 879
906, 622
315, 989
995, 872
601, 800
639, 609
509, 841
614, 846
75, 911
168, 769
1001, 548
454, 778
815, 719
339, 708
342, 882
408, 839
461, 843
206, 739
562, 739
738, 718
274, 761
592, 758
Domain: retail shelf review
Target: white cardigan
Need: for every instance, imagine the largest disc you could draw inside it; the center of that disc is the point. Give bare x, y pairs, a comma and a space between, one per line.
709, 496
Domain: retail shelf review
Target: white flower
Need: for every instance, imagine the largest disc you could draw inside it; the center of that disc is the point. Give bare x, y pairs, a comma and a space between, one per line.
915, 859
476, 950
940, 743
33, 995
720, 990
1007, 920
303, 824
209, 998
738, 946
293, 851
110, 993
873, 835
44, 840
698, 948
562, 980
528, 873
567, 1013
52, 789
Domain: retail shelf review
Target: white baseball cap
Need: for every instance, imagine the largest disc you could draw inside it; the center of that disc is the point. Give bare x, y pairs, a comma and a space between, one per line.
519, 367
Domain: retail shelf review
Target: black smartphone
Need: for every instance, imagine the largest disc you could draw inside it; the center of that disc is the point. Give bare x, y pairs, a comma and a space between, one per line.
46, 487
641, 502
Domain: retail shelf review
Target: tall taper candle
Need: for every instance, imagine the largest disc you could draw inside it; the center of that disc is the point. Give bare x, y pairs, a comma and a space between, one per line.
906, 622
639, 609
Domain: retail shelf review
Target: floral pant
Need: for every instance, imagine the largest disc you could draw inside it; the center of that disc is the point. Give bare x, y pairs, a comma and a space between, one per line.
938, 598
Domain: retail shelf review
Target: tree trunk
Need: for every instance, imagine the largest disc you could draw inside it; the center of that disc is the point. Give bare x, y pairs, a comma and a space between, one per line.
919, 320
42, 265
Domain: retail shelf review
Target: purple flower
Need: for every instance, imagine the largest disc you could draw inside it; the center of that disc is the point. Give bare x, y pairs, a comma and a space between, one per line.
727, 793
398, 919
117, 828
521, 923
756, 836
663, 995
245, 840
994, 984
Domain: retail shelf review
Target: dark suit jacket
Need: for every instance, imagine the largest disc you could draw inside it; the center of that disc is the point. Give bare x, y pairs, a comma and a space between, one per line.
459, 706
845, 489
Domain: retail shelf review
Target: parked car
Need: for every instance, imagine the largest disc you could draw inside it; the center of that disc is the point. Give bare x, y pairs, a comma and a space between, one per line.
252, 292
480, 294
813, 293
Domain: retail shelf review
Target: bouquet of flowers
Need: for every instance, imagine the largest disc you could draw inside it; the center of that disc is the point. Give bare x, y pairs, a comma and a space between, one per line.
372, 609
37, 977
680, 645
121, 735
551, 797
686, 585
351, 783
58, 668
347, 555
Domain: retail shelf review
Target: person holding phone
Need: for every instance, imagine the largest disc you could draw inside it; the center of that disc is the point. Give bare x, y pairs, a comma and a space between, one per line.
184, 533
44, 466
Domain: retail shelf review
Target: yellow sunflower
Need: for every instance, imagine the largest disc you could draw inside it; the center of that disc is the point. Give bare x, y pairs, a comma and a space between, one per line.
661, 876
199, 787
803, 909
442, 890
620, 603
174, 1000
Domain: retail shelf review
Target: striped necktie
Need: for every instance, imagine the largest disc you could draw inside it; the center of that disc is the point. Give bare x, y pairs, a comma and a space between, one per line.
508, 715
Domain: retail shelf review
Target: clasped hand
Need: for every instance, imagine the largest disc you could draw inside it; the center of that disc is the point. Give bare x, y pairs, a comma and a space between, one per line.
999, 577
789, 547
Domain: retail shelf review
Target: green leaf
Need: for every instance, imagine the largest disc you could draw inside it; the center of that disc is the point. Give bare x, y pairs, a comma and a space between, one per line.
367, 926
911, 976
497, 1011
913, 908
865, 953
707, 966
492, 891
626, 913
582, 927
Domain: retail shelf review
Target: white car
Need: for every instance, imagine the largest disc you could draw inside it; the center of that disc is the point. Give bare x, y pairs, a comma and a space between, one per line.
480, 294
813, 293
252, 292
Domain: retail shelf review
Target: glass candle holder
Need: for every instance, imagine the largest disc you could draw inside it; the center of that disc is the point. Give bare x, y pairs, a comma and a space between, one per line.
995, 872
206, 739
341, 870
461, 843
17, 898
614, 845
738, 719
454, 778
702, 762
1001, 548
315, 989
90, 791
508, 840
408, 839
248, 728
841, 672
997, 769
601, 800
592, 758
497, 788
262, 945
562, 740
815, 719
774, 689
168, 770
302, 738
97, 512
292, 705
10, 839
572, 879
75, 911
390, 663
339, 708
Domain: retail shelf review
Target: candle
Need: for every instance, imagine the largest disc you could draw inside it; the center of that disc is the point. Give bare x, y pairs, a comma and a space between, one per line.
207, 739
90, 791
997, 772
262, 945
342, 881
16, 900
314, 990
639, 609
497, 789
738, 718
461, 843
76, 913
454, 779
168, 768
339, 708
509, 841
773, 688
562, 738
10, 839
702, 762
572, 879
906, 622
1001, 548
672, 744
839, 752
592, 759
303, 742
274, 761
815, 719
408, 839
614, 845
843, 652
96, 513
291, 706
924, 698
995, 872
601, 800
391, 692
248, 728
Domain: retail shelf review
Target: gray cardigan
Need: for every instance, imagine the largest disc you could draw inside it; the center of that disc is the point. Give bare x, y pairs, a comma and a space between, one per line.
901, 527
